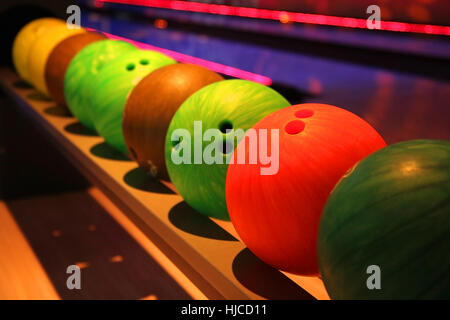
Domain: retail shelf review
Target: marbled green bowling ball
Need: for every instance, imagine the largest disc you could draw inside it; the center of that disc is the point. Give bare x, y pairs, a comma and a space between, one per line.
223, 105
387, 223
82, 71
111, 89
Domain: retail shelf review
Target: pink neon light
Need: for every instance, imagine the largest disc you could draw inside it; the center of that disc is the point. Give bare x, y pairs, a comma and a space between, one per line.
284, 16
98, 3
214, 66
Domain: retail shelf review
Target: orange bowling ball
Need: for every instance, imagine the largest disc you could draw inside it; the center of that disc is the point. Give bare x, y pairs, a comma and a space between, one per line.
275, 204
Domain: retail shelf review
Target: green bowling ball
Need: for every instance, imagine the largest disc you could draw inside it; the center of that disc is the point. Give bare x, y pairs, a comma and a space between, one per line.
111, 89
82, 71
385, 229
224, 105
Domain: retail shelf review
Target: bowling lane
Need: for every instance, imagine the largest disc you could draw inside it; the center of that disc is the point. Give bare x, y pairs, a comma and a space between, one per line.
399, 105
395, 42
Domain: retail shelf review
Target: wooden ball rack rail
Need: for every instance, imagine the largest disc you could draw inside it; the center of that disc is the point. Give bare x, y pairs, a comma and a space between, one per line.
214, 259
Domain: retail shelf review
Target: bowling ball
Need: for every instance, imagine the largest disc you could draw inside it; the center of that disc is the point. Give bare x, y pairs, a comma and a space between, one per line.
41, 49
151, 106
24, 41
112, 87
224, 105
59, 60
276, 206
82, 71
390, 211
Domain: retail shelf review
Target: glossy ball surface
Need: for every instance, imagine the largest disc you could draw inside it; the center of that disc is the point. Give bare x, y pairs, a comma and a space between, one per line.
41, 50
392, 210
151, 106
59, 60
276, 211
112, 87
82, 72
233, 104
25, 39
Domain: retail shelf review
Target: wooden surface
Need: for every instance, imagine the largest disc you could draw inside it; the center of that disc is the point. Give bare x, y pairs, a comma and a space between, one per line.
216, 261
42, 235
152, 250
21, 273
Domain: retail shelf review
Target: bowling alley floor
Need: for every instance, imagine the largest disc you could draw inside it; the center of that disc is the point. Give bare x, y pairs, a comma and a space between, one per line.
41, 236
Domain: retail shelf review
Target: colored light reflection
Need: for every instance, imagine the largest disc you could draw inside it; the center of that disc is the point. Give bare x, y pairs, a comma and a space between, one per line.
181, 57
284, 16
98, 3
160, 23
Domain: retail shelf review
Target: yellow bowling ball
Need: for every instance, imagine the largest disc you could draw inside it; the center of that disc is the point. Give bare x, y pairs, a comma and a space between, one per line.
41, 50
25, 39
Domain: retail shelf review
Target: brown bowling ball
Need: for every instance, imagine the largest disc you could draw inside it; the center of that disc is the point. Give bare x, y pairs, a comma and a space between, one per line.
59, 60
151, 106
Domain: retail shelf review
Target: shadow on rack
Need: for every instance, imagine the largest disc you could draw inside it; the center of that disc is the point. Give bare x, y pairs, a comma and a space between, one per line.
37, 96
78, 129
265, 280
58, 111
21, 84
187, 219
103, 150
139, 179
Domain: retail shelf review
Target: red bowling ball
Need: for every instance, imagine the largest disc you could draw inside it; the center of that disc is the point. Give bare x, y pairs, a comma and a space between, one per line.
276, 211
